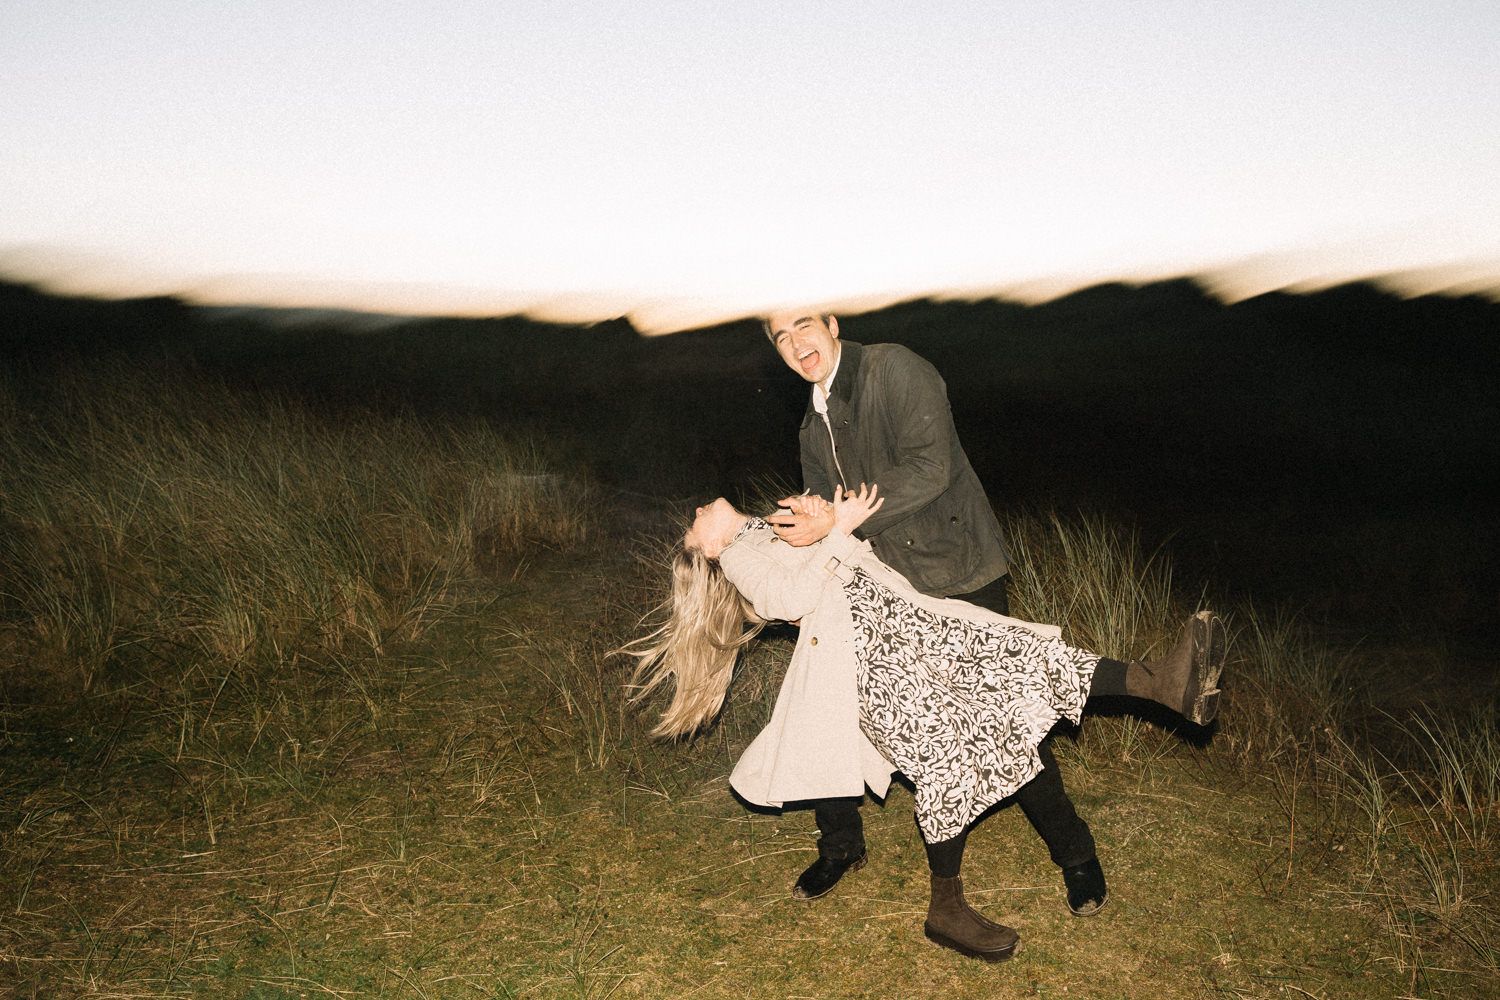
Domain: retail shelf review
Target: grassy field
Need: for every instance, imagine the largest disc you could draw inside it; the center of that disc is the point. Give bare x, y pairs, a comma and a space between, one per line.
296, 705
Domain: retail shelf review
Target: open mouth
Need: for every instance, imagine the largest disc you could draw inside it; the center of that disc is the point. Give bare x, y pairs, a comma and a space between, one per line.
808, 361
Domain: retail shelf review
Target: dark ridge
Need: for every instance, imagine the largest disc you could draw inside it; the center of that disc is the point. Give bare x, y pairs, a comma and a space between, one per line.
1324, 446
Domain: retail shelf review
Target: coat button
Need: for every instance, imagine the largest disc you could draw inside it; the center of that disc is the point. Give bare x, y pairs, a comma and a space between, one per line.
814, 640
908, 543
953, 519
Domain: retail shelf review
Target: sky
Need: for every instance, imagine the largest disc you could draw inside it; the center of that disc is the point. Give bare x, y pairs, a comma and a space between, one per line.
686, 161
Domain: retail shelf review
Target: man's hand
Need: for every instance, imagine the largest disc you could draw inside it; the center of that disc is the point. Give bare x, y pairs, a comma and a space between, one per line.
810, 520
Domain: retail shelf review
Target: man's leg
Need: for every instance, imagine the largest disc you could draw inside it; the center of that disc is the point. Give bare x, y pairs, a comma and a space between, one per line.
841, 846
1045, 801
1046, 804
993, 596
842, 829
1068, 838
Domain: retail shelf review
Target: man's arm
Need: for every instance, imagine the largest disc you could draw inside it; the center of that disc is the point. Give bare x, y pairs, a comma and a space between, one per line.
804, 526
915, 402
818, 477
810, 520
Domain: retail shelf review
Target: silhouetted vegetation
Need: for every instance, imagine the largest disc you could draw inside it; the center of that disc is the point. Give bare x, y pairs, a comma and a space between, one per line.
1336, 450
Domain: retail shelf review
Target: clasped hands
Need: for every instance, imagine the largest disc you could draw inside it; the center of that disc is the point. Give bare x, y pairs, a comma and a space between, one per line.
812, 518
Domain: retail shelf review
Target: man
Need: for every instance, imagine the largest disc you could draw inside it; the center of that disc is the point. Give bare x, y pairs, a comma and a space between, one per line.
879, 414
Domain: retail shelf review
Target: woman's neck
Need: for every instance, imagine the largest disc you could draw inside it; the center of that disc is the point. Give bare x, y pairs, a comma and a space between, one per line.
714, 547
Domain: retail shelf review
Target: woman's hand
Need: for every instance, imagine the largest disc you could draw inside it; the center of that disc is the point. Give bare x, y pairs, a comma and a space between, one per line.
851, 509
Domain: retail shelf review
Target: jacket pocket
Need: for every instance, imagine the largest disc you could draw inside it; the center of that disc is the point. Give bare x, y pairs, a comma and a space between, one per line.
933, 548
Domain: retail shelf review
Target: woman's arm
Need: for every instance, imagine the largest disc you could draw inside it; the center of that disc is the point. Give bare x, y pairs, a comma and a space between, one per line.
784, 582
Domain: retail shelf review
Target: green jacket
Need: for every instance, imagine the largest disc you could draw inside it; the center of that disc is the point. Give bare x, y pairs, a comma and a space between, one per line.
891, 426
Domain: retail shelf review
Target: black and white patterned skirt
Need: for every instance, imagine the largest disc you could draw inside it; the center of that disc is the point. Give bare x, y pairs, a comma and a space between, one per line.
959, 707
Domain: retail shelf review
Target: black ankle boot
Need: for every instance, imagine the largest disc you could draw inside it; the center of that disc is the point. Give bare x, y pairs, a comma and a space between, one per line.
952, 923
823, 874
1087, 892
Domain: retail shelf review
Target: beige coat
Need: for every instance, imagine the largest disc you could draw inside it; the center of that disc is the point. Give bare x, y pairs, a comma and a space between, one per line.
813, 747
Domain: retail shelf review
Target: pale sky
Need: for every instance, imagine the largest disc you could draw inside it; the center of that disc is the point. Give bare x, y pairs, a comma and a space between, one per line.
683, 160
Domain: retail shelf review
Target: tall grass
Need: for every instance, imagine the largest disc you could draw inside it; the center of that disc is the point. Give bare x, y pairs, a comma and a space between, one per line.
1378, 780
154, 515
233, 601
1088, 575
218, 611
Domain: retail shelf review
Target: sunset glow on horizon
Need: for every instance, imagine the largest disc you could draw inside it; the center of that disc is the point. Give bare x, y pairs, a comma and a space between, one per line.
683, 163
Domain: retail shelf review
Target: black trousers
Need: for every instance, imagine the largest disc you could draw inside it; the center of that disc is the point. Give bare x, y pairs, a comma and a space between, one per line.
1043, 799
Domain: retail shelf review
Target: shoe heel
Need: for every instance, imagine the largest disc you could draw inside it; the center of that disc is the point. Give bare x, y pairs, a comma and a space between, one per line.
1214, 653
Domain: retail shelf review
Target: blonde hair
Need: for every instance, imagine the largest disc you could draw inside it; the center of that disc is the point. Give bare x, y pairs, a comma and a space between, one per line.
697, 645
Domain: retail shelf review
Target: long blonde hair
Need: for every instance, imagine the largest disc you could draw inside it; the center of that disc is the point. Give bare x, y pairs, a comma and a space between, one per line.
707, 625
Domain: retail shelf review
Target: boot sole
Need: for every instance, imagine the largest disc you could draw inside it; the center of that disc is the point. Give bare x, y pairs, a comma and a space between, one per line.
1089, 913
1208, 665
939, 938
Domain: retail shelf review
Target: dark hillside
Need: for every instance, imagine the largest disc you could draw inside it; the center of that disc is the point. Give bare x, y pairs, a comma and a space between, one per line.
1338, 450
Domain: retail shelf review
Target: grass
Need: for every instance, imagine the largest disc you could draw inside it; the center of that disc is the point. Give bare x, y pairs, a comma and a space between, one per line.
231, 529
302, 705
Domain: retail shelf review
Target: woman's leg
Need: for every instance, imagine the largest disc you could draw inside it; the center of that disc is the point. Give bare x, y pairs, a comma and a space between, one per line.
1185, 679
1111, 677
946, 857
951, 921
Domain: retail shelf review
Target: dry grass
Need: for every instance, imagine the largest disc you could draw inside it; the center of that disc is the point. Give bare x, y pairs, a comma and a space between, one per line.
299, 707
147, 520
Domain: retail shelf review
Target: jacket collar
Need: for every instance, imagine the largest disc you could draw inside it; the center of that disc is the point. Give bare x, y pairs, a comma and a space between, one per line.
845, 383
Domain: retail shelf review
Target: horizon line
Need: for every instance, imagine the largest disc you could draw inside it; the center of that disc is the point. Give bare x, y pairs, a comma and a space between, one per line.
90, 276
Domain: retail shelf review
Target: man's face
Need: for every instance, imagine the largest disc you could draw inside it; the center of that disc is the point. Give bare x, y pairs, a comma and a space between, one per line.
806, 342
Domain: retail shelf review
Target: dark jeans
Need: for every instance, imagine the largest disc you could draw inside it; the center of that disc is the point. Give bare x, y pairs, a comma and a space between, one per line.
1043, 799
993, 596
843, 832
1046, 804
1051, 812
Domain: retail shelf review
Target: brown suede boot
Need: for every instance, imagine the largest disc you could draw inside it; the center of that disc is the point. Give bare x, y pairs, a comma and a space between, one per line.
952, 923
1186, 680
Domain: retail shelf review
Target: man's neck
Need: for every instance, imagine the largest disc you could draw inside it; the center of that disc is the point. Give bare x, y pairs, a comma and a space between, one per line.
833, 371
827, 384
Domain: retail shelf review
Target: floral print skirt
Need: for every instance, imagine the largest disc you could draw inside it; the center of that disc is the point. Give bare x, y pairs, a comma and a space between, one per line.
958, 706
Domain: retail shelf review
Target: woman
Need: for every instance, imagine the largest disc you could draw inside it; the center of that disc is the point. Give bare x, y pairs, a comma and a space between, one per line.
883, 677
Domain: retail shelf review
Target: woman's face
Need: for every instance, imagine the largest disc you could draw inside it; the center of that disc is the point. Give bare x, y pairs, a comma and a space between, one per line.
713, 527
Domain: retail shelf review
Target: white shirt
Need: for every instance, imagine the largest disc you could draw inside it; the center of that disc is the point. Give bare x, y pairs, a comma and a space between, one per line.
820, 393
822, 389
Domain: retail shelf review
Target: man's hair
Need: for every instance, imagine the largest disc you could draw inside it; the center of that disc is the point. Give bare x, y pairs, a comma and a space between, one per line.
765, 324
